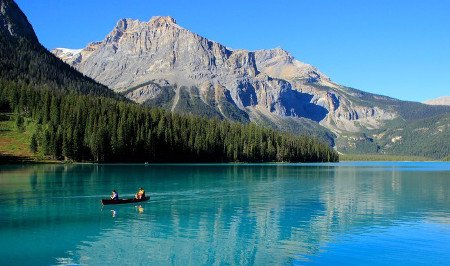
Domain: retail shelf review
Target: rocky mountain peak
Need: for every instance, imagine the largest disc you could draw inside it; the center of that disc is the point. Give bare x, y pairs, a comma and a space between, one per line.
279, 63
160, 63
126, 23
162, 20
132, 27
278, 51
121, 27
13, 21
276, 54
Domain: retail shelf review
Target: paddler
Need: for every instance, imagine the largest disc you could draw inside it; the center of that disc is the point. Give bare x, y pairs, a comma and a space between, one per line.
140, 194
114, 195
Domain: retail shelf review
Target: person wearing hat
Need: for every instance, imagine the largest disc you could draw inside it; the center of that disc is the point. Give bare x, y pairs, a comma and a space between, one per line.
140, 194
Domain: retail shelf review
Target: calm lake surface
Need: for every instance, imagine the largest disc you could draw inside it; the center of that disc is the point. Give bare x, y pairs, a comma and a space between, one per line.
288, 214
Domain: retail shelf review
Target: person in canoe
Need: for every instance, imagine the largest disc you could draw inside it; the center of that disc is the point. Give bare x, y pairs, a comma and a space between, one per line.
140, 194
114, 195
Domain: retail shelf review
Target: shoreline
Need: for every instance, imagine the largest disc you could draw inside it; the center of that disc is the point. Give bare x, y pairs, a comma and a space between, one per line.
209, 163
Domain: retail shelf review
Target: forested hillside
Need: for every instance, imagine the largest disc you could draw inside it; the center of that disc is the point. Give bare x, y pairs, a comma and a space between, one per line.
86, 128
425, 137
24, 59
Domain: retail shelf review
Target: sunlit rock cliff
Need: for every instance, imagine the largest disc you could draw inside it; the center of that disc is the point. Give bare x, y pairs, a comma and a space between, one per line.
159, 63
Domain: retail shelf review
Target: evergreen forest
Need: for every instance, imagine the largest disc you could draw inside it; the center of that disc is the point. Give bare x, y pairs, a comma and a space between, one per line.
72, 126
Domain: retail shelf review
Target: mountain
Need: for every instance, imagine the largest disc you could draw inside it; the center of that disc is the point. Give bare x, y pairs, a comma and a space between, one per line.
48, 110
444, 100
25, 60
159, 63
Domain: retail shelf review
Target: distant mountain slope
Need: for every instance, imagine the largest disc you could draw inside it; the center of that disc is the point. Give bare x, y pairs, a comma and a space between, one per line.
24, 59
428, 137
159, 63
445, 100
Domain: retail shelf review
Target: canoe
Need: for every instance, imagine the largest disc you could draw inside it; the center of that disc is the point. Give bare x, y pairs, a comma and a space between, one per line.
123, 201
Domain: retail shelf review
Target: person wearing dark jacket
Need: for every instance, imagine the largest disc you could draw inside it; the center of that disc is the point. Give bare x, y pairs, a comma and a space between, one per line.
114, 195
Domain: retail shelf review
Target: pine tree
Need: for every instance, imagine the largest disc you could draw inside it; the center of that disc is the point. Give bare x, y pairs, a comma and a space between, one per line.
20, 123
33, 143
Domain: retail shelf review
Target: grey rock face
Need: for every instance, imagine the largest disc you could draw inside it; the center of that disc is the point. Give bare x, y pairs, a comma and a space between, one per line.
160, 63
13, 22
444, 100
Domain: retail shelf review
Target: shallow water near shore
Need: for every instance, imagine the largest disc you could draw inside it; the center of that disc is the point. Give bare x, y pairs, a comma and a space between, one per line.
289, 214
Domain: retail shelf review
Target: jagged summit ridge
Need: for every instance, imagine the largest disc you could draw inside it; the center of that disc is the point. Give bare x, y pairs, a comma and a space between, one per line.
132, 25
161, 38
162, 20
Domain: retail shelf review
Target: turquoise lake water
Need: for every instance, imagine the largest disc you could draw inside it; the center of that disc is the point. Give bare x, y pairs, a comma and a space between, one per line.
269, 214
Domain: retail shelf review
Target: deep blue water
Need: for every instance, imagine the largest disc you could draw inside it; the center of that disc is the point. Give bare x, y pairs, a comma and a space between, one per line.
263, 214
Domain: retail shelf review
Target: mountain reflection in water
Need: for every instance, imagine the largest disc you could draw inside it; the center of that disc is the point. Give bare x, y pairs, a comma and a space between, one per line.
226, 214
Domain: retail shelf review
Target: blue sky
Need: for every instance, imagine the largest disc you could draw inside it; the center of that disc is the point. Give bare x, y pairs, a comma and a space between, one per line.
397, 48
